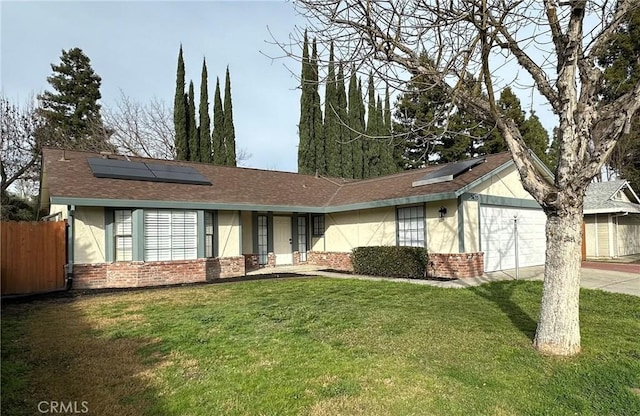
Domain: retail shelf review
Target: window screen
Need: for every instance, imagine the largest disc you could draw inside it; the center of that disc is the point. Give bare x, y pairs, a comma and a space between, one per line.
123, 235
411, 226
170, 235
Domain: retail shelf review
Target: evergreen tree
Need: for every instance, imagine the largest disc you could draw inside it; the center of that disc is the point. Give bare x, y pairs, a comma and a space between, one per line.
317, 139
217, 139
509, 105
536, 137
229, 130
192, 127
622, 70
345, 150
372, 150
305, 150
331, 128
387, 160
180, 113
72, 111
205, 121
354, 146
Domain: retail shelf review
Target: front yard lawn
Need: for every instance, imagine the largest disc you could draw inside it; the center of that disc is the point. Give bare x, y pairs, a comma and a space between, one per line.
317, 346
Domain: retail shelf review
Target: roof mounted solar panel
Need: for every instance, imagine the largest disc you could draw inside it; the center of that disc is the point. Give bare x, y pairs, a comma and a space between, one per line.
149, 172
448, 172
177, 174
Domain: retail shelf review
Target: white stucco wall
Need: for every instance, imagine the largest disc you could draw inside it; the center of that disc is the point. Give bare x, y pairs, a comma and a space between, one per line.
442, 233
228, 233
505, 183
89, 229
54, 209
347, 230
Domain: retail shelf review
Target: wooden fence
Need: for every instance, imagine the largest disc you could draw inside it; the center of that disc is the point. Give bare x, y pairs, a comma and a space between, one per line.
33, 255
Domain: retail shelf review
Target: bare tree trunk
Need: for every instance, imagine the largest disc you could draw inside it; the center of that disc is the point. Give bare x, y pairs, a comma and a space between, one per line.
558, 331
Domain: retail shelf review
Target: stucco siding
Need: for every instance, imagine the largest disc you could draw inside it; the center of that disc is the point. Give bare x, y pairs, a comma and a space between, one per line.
471, 227
442, 233
347, 230
228, 234
505, 184
89, 241
54, 209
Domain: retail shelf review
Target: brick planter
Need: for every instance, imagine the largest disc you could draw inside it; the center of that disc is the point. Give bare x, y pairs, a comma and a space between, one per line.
456, 265
330, 260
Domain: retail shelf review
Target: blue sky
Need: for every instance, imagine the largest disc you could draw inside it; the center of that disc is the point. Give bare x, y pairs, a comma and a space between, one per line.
133, 46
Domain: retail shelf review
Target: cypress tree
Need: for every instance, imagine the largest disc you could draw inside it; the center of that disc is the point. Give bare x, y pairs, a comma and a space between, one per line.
317, 140
331, 121
387, 160
372, 144
180, 113
304, 126
205, 121
356, 114
192, 127
345, 150
535, 136
217, 139
229, 130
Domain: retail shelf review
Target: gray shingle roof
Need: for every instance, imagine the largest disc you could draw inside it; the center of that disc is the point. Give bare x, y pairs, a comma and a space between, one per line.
599, 198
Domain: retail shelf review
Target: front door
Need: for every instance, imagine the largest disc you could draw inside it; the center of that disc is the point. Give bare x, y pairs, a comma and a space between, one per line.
282, 240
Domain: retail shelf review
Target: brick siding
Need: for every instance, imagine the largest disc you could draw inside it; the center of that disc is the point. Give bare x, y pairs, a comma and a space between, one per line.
455, 265
156, 273
330, 260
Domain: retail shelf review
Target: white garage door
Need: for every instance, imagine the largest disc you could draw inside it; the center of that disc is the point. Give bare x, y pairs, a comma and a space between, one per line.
498, 240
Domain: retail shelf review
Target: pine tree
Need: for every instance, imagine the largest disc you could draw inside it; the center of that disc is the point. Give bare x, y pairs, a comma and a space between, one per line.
205, 121
217, 136
536, 136
345, 150
72, 112
317, 138
180, 113
229, 130
331, 122
304, 126
192, 127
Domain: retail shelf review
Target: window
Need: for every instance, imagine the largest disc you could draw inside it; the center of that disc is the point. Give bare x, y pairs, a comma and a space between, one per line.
208, 234
123, 235
170, 235
411, 226
318, 225
302, 238
263, 241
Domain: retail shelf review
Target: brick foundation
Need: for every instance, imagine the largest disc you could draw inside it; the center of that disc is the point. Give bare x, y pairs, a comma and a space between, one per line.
330, 260
456, 265
156, 273
251, 262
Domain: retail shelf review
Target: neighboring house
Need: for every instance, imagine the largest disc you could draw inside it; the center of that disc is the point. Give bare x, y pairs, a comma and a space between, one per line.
137, 222
611, 220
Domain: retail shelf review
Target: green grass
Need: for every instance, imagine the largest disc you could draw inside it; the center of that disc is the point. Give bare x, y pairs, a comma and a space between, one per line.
318, 347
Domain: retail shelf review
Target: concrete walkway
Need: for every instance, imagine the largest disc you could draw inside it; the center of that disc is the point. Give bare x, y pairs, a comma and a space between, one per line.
608, 280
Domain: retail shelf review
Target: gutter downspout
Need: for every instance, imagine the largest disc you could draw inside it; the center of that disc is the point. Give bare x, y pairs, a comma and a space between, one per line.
70, 247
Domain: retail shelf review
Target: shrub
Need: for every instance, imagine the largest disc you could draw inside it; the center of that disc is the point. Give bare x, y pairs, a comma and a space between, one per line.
390, 261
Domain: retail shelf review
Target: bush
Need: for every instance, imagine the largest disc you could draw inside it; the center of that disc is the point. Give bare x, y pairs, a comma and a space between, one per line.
390, 261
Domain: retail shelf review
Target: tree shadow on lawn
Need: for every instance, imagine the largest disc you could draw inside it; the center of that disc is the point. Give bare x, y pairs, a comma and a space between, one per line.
501, 294
64, 358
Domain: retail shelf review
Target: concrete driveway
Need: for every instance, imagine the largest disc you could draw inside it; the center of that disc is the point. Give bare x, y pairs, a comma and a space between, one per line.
627, 281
